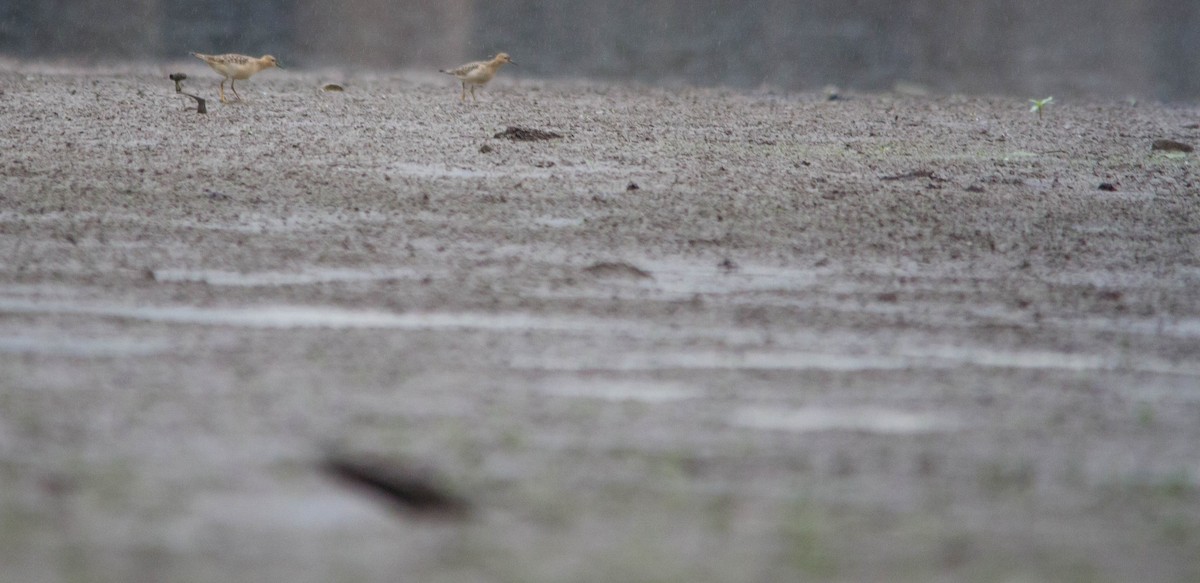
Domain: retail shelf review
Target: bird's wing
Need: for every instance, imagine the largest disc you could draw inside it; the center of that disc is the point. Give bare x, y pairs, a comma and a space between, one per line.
464, 69
233, 59
226, 59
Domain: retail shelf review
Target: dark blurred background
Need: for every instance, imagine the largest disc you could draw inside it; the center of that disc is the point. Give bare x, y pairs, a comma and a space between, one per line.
1103, 48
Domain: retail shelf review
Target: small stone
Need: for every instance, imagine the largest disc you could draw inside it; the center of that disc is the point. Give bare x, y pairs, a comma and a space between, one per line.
632, 186
1107, 187
485, 149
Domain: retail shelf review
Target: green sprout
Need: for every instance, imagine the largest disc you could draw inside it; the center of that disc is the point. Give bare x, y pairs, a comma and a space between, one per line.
1039, 105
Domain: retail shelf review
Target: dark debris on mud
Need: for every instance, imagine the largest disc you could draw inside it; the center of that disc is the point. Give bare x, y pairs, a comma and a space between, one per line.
412, 490
520, 134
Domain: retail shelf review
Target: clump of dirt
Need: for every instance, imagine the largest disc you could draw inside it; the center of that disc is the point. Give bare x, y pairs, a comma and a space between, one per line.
616, 270
1171, 146
520, 134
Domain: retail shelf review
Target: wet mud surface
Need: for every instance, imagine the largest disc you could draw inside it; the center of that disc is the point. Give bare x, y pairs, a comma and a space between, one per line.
703, 336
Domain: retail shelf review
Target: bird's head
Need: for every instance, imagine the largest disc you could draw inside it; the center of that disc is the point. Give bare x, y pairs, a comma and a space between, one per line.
270, 61
503, 58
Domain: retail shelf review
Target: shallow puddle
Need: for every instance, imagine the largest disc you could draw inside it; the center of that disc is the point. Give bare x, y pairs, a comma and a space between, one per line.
992, 358
494, 170
271, 510
278, 278
690, 279
616, 390
986, 357
290, 316
74, 347
681, 280
714, 281
860, 419
709, 359
928, 358
441, 171
558, 222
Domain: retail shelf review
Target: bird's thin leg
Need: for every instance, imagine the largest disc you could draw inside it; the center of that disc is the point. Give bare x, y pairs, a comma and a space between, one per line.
223, 91
234, 88
473, 98
463, 97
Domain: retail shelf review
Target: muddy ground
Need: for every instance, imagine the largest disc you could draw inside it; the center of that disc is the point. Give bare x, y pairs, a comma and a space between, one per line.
703, 336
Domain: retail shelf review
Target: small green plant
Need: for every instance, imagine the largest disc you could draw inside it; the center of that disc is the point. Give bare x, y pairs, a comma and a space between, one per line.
1039, 105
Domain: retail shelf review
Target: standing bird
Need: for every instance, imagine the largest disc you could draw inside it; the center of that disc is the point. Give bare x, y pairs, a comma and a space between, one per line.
234, 67
478, 73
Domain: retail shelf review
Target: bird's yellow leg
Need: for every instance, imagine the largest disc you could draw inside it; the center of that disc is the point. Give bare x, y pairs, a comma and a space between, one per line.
233, 86
473, 98
223, 91
463, 97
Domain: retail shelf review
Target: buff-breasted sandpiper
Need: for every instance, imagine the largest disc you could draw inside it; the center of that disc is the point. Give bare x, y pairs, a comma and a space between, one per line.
478, 73
234, 67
